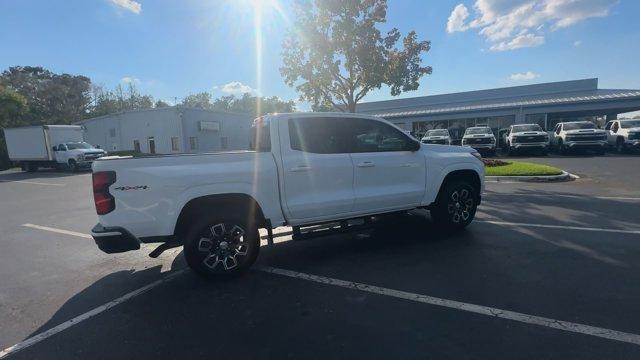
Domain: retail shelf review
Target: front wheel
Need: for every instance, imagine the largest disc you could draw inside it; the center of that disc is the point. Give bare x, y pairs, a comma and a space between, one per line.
73, 166
221, 246
620, 145
456, 205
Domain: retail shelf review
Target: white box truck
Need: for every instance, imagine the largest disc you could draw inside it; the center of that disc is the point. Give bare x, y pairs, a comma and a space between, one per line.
53, 146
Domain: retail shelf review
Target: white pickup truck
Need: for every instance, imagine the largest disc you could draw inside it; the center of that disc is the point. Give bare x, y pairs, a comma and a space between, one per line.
573, 135
526, 137
623, 134
305, 168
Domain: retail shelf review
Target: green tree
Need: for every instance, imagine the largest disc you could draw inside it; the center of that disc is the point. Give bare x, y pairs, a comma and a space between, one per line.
335, 54
13, 107
201, 100
160, 104
254, 105
51, 98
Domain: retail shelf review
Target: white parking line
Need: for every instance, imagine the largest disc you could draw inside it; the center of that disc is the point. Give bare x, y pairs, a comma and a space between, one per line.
88, 315
564, 227
59, 231
457, 305
32, 182
582, 197
452, 304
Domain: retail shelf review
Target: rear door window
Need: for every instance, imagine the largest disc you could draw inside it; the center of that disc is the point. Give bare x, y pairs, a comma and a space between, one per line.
319, 135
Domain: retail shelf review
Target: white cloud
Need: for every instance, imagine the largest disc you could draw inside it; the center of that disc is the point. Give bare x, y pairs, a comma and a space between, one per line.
520, 41
577, 43
130, 80
529, 75
457, 19
513, 24
236, 87
128, 5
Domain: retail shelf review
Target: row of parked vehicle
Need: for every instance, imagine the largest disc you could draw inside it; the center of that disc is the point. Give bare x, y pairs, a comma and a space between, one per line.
620, 135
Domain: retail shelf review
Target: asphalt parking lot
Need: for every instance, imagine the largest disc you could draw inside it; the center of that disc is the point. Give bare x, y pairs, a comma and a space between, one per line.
548, 271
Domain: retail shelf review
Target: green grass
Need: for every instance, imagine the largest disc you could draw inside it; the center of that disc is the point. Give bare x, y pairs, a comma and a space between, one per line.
518, 168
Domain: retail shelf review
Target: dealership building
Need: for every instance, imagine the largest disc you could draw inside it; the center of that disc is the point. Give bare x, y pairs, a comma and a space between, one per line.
169, 130
544, 104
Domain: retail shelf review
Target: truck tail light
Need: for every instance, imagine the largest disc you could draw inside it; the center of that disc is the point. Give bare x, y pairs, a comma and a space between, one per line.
105, 202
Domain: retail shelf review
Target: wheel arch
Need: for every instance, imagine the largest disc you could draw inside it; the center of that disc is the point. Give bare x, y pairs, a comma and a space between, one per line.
228, 203
462, 174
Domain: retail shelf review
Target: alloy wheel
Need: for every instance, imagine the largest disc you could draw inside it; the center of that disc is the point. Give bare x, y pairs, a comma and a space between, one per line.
460, 205
223, 246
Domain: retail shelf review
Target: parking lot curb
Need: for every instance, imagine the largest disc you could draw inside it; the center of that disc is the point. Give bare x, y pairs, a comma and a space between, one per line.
565, 176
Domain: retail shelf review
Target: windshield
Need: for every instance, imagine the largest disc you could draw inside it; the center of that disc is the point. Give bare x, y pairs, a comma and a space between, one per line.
523, 128
627, 124
475, 131
579, 126
440, 132
78, 145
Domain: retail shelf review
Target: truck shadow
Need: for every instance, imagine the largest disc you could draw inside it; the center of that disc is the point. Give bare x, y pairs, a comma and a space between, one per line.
410, 248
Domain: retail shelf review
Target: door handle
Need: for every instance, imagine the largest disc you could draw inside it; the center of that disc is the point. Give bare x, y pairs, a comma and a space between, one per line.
300, 168
366, 164
409, 165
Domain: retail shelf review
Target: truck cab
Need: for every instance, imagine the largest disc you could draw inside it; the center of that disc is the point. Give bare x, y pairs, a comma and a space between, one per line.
623, 134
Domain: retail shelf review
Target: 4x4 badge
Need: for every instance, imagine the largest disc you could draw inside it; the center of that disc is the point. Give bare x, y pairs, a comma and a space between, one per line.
126, 188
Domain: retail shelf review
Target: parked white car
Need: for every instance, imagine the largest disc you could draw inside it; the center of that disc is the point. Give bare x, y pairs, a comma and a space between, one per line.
305, 169
480, 138
523, 137
437, 136
579, 135
623, 134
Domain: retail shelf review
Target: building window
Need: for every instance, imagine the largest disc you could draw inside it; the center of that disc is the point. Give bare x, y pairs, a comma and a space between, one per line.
174, 144
193, 143
224, 142
136, 145
112, 132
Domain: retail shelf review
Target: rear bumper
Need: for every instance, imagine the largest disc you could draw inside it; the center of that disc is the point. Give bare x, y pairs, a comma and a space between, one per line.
113, 240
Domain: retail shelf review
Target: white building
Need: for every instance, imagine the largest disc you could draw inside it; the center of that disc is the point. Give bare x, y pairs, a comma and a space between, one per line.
169, 130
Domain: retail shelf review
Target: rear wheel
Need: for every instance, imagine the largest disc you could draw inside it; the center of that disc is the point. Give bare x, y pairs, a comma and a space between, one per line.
221, 246
456, 205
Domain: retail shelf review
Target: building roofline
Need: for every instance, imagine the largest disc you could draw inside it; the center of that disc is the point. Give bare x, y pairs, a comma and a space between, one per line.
175, 108
548, 88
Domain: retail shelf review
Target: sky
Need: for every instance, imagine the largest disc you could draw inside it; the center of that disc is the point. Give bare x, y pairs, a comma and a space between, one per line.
172, 48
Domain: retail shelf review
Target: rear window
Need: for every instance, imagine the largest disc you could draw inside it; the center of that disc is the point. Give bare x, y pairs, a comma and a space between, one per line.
438, 133
319, 135
523, 128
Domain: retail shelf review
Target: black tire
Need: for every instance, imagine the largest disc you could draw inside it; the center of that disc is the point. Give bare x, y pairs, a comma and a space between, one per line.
453, 211
620, 145
561, 148
32, 167
209, 249
73, 166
